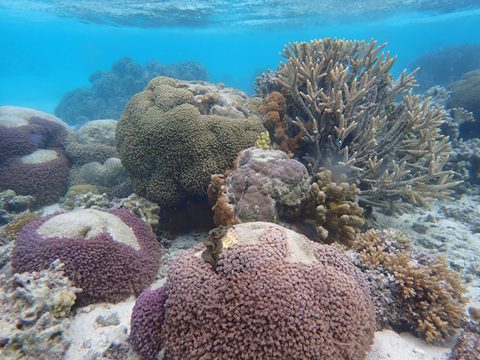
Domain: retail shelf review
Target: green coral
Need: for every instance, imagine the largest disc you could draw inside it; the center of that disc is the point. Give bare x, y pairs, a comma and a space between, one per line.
170, 149
263, 141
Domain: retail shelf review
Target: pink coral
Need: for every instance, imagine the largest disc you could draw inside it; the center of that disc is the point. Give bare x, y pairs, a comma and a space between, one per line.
271, 294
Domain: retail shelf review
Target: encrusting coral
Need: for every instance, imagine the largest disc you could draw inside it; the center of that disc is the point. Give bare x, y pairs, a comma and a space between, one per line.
341, 101
270, 294
431, 295
110, 255
34, 314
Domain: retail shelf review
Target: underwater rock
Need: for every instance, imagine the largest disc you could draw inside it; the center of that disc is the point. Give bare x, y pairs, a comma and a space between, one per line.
112, 89
32, 160
110, 255
33, 315
266, 297
170, 149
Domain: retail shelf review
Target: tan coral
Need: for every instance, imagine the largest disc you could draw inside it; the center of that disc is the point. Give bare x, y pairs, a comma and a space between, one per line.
333, 209
342, 97
432, 294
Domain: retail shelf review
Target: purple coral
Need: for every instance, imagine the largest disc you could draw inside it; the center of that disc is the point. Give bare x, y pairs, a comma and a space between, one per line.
272, 294
46, 181
146, 323
108, 262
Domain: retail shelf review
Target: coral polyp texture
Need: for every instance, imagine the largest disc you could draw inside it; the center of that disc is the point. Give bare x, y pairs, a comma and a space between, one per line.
32, 160
263, 186
342, 111
109, 255
430, 294
258, 290
170, 148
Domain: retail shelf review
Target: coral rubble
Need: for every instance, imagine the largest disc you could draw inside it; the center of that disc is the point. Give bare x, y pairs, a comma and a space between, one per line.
33, 320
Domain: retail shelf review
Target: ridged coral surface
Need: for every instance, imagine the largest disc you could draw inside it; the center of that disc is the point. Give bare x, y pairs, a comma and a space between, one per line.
170, 149
105, 268
272, 294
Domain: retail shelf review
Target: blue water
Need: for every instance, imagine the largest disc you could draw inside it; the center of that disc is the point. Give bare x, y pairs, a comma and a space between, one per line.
49, 48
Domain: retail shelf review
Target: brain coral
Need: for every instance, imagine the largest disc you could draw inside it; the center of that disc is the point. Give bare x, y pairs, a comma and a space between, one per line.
170, 149
109, 255
259, 291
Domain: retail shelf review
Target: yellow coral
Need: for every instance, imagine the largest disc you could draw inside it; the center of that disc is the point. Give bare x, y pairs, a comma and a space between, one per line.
432, 293
263, 141
62, 303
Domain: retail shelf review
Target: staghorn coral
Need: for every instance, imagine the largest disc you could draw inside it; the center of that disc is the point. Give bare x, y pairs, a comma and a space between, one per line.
33, 320
110, 255
332, 209
341, 96
272, 295
431, 294
170, 149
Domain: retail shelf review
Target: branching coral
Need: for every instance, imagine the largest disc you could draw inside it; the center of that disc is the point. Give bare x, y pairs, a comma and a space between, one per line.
341, 97
431, 293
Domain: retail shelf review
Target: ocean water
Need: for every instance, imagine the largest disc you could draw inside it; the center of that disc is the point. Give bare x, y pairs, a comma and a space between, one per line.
197, 222
51, 47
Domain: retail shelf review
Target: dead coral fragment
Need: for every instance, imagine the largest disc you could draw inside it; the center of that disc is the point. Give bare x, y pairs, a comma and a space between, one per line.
432, 294
333, 209
34, 307
341, 96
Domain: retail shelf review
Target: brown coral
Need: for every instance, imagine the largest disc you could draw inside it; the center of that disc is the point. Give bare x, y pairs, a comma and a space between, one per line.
432, 294
332, 209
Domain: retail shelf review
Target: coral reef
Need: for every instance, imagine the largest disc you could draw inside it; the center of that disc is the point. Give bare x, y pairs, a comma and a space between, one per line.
332, 210
264, 185
42, 174
463, 94
170, 149
95, 159
341, 102
446, 65
112, 89
110, 255
94, 141
273, 294
11, 205
32, 160
467, 347
14, 227
430, 294
263, 141
33, 319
